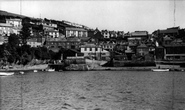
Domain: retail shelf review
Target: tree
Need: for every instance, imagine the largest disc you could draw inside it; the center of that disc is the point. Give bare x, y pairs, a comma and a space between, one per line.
2, 51
13, 40
25, 32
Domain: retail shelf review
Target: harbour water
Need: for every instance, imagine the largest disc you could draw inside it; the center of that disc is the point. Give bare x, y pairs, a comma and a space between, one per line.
93, 90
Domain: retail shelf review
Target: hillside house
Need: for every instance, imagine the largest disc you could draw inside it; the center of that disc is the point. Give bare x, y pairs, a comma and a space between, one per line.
75, 32
95, 52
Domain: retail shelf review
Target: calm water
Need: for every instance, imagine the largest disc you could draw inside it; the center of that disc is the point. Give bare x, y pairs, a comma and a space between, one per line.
93, 90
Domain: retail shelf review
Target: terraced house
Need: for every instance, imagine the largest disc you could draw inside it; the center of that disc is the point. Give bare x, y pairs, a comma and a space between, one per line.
75, 32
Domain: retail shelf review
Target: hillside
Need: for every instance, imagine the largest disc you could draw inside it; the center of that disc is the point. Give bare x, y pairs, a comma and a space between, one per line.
5, 13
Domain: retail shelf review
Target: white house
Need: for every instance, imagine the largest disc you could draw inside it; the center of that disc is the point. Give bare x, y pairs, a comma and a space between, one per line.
14, 22
76, 32
35, 42
105, 34
53, 33
95, 52
1, 40
6, 29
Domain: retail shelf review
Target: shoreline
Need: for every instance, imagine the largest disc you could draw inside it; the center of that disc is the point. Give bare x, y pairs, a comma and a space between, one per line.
26, 68
132, 69
45, 66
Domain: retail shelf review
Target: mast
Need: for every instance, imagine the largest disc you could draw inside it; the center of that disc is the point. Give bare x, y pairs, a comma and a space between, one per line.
174, 13
20, 7
21, 88
173, 79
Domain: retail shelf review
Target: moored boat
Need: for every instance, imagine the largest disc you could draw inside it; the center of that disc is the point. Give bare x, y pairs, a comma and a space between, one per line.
51, 70
35, 71
160, 69
6, 73
95, 62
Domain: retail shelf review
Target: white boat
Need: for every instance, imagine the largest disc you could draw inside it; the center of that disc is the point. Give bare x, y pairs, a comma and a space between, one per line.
95, 62
6, 73
21, 72
35, 71
160, 69
51, 70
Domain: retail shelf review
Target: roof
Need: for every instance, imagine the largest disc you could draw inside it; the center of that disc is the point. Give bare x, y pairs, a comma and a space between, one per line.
15, 19
142, 46
134, 38
72, 39
139, 33
108, 44
167, 38
5, 25
84, 38
89, 45
177, 41
176, 45
34, 40
74, 50
129, 51
169, 31
63, 39
132, 44
75, 29
52, 30
47, 26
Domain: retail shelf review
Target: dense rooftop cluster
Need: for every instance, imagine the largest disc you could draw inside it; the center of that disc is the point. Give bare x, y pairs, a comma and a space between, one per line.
92, 43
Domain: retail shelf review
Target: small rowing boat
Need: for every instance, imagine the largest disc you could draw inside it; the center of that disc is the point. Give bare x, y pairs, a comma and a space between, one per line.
6, 73
51, 70
35, 71
161, 69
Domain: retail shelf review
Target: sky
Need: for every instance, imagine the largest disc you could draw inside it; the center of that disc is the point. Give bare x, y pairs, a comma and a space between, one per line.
118, 15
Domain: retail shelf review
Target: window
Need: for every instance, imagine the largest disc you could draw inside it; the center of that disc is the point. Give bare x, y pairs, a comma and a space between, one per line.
85, 49
90, 49
103, 58
96, 49
103, 53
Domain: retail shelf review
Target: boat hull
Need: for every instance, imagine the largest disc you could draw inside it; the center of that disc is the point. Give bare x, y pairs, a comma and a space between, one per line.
160, 70
95, 62
6, 73
51, 70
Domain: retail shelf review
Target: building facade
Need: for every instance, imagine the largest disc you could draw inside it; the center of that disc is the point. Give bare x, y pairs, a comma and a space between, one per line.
138, 36
6, 29
68, 43
106, 34
35, 42
95, 52
142, 50
16, 24
75, 32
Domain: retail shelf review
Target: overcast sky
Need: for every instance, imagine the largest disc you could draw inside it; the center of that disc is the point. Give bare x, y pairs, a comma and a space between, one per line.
120, 15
